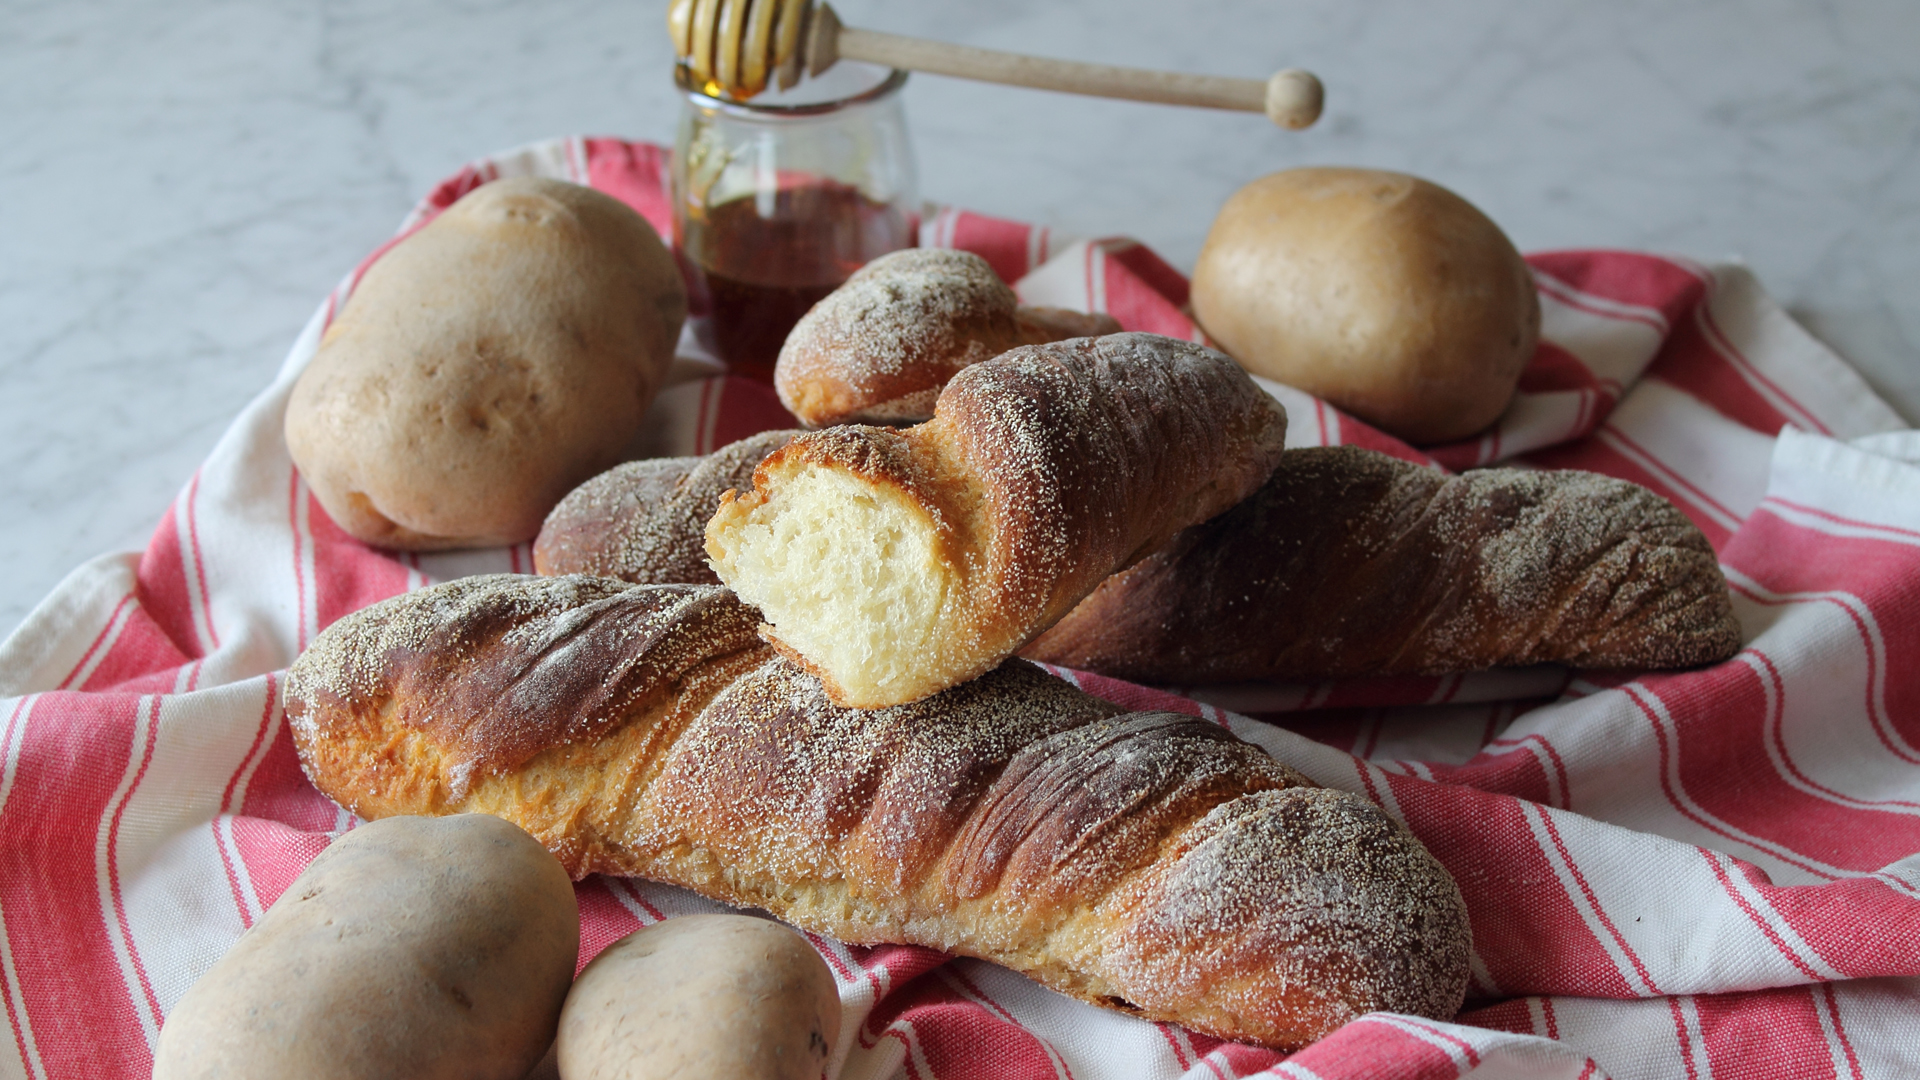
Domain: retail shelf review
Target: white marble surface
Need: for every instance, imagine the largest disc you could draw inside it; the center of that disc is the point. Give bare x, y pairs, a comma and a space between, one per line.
181, 184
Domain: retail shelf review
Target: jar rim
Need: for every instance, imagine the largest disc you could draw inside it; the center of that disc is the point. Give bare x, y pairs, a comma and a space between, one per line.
683, 78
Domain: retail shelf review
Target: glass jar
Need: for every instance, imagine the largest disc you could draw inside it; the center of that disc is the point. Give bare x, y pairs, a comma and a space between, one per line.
778, 200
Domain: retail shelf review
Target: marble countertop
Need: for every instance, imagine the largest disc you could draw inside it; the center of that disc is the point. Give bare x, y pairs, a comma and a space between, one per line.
181, 184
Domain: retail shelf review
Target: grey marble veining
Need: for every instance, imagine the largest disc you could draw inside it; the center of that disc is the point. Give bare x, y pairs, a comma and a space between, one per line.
181, 184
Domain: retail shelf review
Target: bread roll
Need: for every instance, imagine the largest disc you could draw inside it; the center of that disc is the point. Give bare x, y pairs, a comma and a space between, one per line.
1388, 296
486, 365
1147, 862
1349, 562
896, 564
878, 349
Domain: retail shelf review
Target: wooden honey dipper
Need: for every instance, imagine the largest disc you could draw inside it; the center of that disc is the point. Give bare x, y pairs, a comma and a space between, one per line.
737, 46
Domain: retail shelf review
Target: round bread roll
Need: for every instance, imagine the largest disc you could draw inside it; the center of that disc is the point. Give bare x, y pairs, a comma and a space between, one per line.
486, 365
1388, 296
878, 349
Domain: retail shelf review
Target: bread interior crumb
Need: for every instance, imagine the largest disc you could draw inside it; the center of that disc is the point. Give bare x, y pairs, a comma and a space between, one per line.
847, 573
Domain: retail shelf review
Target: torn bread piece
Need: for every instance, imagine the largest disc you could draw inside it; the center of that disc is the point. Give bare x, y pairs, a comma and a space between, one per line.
894, 564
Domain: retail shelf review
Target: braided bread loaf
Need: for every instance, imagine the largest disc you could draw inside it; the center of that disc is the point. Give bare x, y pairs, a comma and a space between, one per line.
1349, 562
896, 564
1346, 563
878, 349
1147, 862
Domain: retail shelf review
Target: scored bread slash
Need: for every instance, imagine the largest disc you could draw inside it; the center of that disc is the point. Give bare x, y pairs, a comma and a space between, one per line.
894, 564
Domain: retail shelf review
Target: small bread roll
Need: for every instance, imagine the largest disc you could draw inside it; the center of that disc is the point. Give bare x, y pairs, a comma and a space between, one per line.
486, 365
1388, 296
878, 349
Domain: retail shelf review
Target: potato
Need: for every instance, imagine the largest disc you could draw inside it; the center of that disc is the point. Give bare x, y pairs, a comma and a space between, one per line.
702, 995
486, 365
412, 948
1389, 296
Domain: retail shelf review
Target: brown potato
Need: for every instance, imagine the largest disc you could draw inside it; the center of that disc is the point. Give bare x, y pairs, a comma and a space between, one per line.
702, 995
1389, 296
486, 365
412, 948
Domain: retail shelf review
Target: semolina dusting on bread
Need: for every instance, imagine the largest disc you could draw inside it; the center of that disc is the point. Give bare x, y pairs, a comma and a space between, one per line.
878, 349
1147, 862
1350, 563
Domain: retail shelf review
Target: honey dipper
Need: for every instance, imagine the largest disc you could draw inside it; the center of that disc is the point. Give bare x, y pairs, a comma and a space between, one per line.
737, 46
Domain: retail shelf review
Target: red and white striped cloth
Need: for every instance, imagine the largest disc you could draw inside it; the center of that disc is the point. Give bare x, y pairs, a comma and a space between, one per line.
1703, 874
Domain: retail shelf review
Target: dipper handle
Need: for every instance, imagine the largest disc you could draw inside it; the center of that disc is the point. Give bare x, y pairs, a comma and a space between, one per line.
737, 46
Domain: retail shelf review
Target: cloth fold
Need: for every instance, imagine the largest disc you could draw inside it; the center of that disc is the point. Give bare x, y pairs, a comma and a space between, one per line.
1709, 872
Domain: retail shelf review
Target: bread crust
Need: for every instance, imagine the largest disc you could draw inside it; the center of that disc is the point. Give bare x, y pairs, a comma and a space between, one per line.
878, 349
1042, 472
1148, 862
1349, 562
646, 521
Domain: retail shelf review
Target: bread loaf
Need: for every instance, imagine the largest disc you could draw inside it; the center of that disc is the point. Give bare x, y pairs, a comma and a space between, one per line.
896, 564
1346, 563
878, 349
1349, 562
1389, 296
1148, 862
486, 365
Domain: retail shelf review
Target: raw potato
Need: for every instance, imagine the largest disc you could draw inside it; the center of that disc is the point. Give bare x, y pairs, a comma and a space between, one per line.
411, 949
1391, 297
702, 995
486, 365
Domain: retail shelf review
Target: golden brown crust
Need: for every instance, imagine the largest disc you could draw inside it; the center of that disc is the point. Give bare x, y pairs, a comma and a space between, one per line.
496, 668
878, 349
1349, 562
1087, 454
1144, 861
646, 521
1303, 875
1043, 471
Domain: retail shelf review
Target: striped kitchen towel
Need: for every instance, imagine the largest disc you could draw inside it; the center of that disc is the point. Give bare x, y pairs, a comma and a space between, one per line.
1705, 873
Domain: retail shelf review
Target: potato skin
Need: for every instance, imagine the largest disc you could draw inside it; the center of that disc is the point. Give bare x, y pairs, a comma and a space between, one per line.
702, 995
486, 365
1387, 295
413, 948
